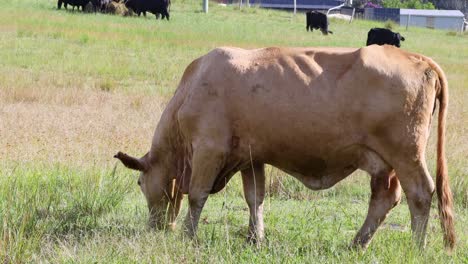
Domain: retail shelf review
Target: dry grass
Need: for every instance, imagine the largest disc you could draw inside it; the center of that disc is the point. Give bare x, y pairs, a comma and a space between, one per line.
74, 126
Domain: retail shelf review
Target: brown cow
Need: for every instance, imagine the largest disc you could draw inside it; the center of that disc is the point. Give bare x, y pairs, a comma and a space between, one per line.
318, 114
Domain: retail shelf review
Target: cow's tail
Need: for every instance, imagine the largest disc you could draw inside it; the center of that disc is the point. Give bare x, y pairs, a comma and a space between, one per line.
444, 194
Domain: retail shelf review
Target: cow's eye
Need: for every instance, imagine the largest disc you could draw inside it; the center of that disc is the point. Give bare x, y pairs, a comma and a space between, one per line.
139, 182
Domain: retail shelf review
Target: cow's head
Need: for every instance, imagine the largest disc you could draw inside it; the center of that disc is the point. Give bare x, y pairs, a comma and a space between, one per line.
157, 186
397, 39
400, 37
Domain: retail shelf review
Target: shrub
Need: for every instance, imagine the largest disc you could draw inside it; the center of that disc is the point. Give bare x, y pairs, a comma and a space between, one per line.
413, 4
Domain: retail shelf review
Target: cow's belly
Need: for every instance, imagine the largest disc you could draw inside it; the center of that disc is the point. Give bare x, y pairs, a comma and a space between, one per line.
325, 166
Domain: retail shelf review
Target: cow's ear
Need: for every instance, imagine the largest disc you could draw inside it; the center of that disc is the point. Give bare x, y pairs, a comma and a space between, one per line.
131, 162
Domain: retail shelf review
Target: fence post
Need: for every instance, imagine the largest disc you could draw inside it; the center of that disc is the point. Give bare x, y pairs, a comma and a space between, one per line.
352, 14
295, 7
205, 6
408, 21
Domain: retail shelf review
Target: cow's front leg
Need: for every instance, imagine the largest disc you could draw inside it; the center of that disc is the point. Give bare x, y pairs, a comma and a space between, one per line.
253, 180
207, 162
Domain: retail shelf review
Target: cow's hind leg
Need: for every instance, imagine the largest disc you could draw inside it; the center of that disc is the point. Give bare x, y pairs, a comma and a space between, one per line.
207, 161
418, 187
253, 180
386, 194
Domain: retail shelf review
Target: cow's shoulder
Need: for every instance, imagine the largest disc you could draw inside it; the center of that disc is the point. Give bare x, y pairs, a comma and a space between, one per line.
221, 53
237, 60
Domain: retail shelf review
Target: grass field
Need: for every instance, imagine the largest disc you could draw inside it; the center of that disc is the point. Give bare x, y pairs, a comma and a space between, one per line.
76, 88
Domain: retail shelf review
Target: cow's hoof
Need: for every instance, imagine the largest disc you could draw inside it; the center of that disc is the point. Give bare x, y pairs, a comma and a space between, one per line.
357, 245
171, 227
254, 241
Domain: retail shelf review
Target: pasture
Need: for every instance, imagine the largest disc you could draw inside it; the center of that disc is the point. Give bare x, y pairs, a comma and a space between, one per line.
76, 88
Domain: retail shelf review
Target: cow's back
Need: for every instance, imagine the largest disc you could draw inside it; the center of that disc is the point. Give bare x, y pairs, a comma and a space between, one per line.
279, 102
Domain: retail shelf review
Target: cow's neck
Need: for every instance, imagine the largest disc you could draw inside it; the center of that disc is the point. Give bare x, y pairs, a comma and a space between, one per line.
168, 145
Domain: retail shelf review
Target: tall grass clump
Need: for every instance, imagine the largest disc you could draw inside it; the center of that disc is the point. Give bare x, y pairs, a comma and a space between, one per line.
38, 203
389, 24
459, 185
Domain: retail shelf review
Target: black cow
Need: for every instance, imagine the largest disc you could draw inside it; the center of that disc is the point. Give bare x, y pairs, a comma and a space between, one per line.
73, 3
153, 6
381, 36
317, 20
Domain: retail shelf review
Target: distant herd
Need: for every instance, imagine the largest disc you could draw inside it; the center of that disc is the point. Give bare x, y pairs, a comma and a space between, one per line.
156, 7
160, 8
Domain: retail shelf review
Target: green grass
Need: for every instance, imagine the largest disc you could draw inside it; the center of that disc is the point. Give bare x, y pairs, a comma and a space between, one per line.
75, 88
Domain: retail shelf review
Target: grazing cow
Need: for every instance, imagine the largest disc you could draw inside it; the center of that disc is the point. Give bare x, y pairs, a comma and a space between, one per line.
317, 20
153, 6
318, 114
381, 36
73, 3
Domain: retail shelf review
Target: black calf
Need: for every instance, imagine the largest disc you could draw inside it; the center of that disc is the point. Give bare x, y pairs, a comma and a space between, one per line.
317, 20
381, 36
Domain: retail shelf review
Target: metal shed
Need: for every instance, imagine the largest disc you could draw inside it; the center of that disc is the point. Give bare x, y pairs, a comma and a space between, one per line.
300, 4
440, 19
